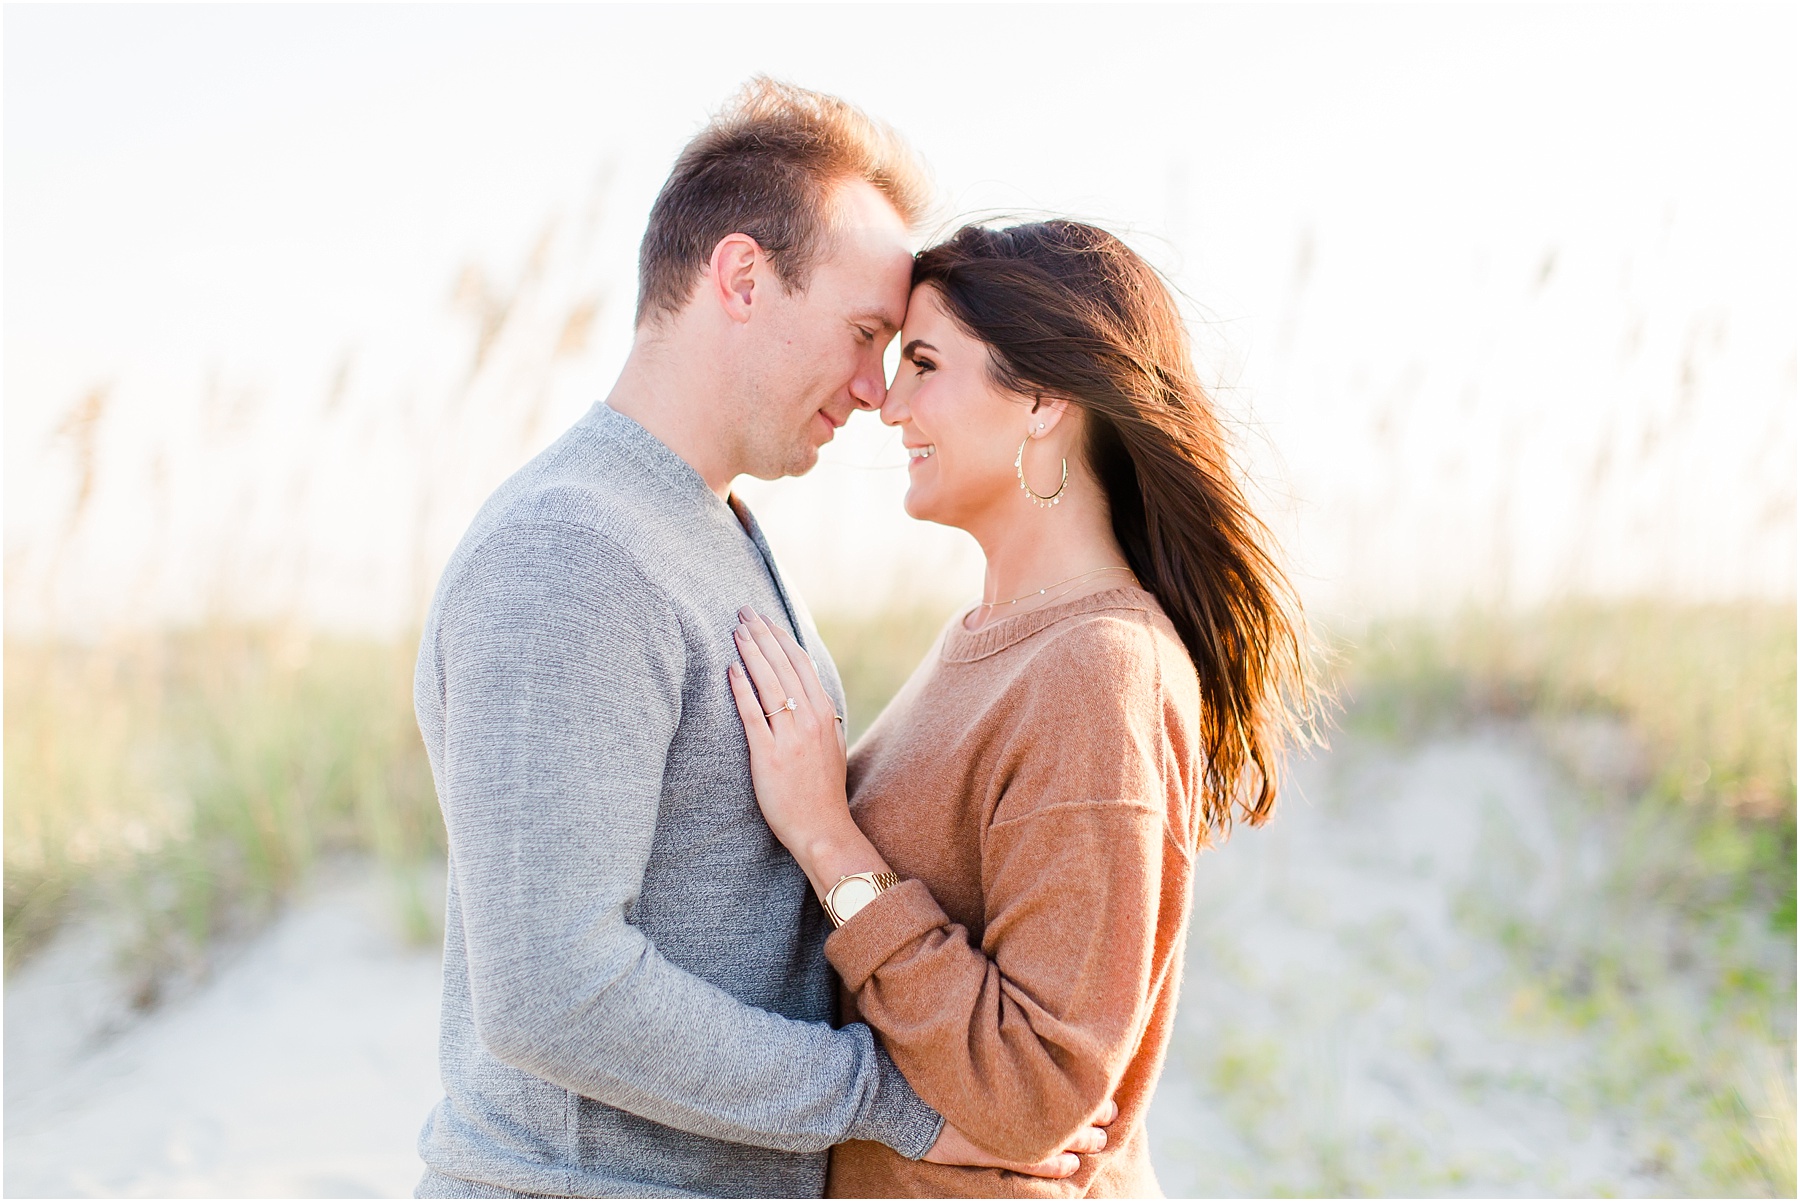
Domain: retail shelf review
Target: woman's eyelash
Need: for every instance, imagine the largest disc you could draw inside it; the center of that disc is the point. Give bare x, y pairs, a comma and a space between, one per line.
923, 365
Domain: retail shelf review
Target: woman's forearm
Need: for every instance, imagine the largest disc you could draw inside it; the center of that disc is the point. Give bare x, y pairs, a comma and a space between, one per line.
1019, 1033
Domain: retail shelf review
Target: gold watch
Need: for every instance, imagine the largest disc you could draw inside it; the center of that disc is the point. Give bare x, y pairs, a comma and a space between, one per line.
844, 899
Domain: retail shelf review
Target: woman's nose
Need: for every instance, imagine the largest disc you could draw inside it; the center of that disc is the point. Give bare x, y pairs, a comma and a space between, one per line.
893, 406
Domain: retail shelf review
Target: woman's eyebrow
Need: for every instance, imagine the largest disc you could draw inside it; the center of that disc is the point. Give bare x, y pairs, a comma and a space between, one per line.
915, 344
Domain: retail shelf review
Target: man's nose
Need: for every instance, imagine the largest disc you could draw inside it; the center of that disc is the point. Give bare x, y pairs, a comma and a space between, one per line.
869, 387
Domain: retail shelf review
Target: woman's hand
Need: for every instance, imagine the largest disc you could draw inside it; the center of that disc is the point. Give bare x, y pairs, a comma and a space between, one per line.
953, 1147
796, 753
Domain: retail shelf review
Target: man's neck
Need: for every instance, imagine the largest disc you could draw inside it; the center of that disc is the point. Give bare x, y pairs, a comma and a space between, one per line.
664, 390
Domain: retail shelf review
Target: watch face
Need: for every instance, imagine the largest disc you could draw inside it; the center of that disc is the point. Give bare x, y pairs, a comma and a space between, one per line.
850, 896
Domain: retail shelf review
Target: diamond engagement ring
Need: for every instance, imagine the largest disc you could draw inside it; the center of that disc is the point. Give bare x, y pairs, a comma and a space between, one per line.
791, 705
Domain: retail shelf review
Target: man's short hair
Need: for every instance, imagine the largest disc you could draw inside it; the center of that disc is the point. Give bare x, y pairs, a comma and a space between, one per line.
767, 165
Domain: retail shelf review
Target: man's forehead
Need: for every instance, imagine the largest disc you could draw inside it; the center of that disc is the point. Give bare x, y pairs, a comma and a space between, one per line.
882, 282
870, 256
873, 279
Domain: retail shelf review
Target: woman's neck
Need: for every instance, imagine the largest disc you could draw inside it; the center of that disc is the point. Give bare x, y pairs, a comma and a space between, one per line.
1038, 557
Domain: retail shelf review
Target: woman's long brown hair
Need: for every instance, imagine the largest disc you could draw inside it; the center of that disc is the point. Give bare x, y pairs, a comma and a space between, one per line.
1068, 310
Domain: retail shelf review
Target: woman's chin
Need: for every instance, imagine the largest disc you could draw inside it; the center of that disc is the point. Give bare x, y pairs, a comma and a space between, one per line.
927, 504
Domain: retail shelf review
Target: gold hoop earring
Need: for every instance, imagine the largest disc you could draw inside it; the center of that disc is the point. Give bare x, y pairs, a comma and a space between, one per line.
1038, 499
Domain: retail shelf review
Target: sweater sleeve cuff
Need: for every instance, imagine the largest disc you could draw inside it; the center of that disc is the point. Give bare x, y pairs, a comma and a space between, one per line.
897, 1116
881, 928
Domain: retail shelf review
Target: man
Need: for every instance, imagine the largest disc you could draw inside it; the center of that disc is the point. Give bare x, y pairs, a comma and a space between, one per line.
636, 1000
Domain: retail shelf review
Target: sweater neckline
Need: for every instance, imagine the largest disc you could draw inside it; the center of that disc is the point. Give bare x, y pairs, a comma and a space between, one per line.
656, 455
962, 646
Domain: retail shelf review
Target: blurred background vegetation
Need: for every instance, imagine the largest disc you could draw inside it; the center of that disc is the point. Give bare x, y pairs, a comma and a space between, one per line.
202, 771
189, 779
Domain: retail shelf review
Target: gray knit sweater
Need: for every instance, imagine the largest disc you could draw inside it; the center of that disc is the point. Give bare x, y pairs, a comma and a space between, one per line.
636, 998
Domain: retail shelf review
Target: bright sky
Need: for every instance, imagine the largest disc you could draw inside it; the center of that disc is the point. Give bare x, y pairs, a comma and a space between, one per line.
1505, 297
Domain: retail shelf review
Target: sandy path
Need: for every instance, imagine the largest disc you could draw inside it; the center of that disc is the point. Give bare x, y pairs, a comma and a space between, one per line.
303, 1069
1343, 1029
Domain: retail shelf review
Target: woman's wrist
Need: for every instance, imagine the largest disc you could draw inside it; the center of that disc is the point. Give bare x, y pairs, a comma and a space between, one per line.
834, 854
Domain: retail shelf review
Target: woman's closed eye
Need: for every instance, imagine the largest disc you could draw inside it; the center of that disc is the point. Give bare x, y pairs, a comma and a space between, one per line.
921, 364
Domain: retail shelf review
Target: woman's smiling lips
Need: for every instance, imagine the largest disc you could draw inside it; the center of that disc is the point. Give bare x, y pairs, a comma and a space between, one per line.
917, 455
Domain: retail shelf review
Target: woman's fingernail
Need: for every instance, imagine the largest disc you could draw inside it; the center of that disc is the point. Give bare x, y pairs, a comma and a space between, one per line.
746, 613
1070, 1162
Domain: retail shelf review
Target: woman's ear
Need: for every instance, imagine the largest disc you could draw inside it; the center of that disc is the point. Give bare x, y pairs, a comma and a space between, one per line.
731, 274
1047, 413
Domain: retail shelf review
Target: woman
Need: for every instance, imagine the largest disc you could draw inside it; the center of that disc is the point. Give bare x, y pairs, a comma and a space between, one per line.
1011, 872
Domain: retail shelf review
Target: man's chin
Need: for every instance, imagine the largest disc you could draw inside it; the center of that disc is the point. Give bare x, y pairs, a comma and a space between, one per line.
799, 462
803, 463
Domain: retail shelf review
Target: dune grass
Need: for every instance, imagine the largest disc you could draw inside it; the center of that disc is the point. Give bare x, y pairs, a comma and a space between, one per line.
1708, 690
230, 757
187, 781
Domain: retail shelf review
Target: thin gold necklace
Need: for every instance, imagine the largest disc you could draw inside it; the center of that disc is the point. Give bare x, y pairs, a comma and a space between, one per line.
1040, 592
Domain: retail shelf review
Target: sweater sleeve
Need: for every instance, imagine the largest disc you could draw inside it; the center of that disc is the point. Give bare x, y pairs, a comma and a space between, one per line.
1020, 1036
562, 676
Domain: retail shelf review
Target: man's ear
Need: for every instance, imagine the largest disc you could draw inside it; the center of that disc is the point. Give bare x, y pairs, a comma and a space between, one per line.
731, 274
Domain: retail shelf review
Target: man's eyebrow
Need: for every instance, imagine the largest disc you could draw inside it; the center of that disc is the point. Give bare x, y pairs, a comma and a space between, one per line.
885, 321
907, 350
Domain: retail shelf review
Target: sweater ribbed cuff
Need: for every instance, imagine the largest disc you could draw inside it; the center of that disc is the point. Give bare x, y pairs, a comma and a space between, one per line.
897, 1116
881, 928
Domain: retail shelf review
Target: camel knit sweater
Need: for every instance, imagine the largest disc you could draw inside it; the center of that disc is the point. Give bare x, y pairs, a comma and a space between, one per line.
1036, 783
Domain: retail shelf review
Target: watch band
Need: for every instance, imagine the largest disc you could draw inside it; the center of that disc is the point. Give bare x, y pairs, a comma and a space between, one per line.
871, 885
